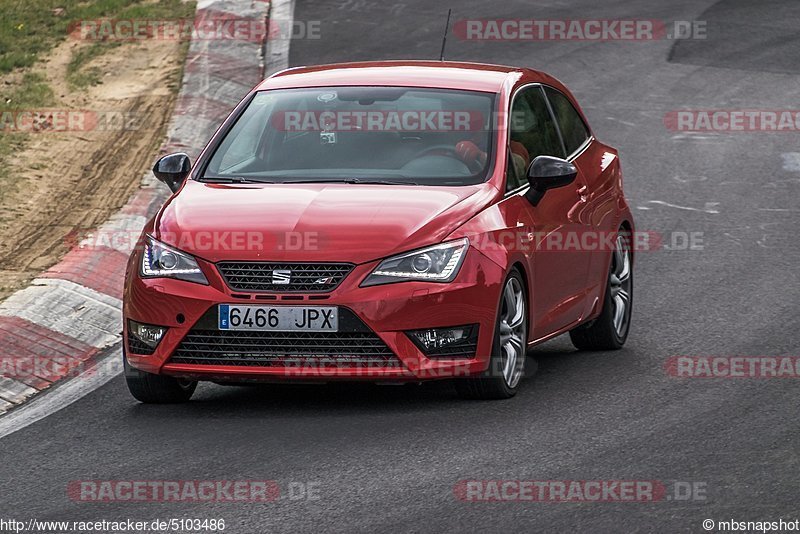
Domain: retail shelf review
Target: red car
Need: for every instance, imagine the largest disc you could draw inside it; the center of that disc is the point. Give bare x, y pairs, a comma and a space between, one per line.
383, 221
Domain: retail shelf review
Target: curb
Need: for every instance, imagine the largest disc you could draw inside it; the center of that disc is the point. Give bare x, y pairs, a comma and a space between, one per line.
54, 329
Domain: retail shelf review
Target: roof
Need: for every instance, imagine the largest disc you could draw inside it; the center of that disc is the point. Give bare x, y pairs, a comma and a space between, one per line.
436, 74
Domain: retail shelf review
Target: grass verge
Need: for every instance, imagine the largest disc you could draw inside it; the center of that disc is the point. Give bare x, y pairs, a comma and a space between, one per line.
30, 29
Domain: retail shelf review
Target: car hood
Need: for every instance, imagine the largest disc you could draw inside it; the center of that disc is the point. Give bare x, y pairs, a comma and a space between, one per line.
314, 222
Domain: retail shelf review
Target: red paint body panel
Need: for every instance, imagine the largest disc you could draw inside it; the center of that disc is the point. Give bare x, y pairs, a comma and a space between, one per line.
389, 218
361, 224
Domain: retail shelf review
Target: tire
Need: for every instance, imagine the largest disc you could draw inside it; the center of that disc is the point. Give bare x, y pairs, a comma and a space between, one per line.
507, 364
157, 389
610, 330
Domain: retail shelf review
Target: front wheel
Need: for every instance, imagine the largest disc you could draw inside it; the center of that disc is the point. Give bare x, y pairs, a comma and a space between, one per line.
156, 389
507, 363
610, 330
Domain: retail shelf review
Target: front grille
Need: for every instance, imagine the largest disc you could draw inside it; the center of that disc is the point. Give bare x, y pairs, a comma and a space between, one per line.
297, 277
355, 345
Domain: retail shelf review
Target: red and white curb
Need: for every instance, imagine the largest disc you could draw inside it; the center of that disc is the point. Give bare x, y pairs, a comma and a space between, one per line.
71, 315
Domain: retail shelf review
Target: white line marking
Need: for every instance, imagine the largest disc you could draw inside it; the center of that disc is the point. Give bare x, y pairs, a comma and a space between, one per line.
694, 136
63, 394
626, 123
710, 207
690, 178
791, 161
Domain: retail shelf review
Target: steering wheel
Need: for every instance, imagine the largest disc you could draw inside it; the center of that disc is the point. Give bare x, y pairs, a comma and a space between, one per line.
450, 149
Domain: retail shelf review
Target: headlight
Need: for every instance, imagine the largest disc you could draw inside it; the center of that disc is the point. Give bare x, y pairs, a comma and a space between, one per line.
439, 263
162, 261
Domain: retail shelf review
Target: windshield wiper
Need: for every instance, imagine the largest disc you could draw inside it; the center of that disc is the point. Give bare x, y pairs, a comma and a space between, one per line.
242, 180
229, 180
348, 181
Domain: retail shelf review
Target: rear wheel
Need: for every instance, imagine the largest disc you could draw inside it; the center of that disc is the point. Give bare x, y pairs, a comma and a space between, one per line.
507, 364
157, 389
610, 330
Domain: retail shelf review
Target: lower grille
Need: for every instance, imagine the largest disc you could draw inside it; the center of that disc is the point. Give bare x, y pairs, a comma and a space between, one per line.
355, 345
213, 347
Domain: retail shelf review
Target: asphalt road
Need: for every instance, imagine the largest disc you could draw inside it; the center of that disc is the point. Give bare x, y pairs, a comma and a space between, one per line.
387, 458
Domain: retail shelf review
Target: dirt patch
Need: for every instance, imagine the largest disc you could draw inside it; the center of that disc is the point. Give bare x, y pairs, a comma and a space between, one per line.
65, 182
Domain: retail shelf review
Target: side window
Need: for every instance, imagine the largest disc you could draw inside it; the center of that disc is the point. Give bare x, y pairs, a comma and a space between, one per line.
573, 129
533, 133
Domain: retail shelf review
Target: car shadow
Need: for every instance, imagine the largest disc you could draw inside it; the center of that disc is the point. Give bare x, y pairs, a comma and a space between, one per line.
557, 361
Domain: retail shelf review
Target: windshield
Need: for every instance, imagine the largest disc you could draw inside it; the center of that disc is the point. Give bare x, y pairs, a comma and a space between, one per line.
399, 135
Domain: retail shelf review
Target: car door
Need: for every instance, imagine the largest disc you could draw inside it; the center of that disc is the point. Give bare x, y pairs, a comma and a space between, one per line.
578, 144
559, 264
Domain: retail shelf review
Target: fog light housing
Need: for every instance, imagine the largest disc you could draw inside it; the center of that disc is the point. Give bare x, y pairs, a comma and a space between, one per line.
144, 338
448, 342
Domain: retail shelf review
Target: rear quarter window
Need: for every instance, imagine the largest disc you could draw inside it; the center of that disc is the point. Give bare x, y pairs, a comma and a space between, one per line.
573, 129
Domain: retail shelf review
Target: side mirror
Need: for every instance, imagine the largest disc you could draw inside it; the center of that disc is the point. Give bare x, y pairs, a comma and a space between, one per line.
173, 170
548, 172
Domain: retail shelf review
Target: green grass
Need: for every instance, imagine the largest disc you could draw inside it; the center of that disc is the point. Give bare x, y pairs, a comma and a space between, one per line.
29, 29
80, 75
31, 92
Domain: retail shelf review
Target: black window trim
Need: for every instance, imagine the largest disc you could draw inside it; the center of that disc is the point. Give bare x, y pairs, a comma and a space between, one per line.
571, 157
589, 137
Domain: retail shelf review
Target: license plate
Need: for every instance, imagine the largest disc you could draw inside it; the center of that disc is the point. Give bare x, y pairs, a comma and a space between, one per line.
279, 318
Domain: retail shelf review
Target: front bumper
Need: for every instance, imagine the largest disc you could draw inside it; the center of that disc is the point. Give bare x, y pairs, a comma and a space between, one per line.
386, 310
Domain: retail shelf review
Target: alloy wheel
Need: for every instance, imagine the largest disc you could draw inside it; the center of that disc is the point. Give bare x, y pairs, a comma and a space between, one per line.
620, 285
513, 323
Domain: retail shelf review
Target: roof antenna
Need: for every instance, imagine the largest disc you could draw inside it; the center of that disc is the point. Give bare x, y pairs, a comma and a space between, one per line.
444, 39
